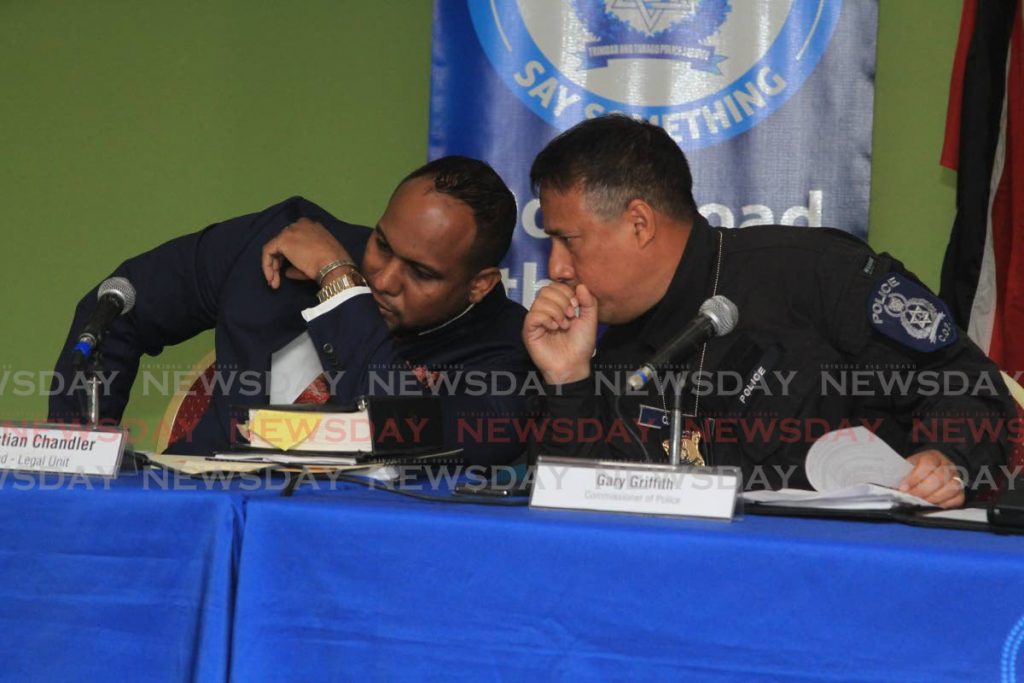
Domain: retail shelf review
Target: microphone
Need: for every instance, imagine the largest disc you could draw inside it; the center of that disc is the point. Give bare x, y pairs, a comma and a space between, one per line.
116, 296
717, 316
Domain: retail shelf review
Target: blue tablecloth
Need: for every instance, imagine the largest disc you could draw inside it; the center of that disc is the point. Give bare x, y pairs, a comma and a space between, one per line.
364, 584
137, 582
120, 580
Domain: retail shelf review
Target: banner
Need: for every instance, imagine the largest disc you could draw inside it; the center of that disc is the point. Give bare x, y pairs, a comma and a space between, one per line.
770, 99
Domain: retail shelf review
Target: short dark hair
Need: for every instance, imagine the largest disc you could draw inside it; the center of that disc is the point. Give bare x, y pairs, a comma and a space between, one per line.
615, 159
494, 206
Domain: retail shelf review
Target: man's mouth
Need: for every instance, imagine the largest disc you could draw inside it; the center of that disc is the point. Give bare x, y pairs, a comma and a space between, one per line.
384, 308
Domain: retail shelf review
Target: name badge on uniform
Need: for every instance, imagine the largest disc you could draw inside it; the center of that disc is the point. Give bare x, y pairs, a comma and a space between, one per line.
652, 417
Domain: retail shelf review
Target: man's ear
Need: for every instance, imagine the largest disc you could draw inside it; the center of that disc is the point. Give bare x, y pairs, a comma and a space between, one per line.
642, 221
482, 283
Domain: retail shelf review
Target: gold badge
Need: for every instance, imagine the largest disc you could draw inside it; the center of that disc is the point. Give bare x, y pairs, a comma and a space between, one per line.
689, 448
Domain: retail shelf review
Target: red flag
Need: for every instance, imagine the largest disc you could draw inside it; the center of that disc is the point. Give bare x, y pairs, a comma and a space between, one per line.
983, 271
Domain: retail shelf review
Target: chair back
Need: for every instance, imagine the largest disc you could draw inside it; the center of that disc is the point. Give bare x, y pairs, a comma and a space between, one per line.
188, 404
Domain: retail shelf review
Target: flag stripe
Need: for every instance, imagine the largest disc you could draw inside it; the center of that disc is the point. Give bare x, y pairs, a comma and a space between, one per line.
984, 85
985, 302
951, 146
1007, 346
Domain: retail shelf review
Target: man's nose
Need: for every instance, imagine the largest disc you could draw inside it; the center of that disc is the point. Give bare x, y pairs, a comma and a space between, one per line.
388, 279
560, 266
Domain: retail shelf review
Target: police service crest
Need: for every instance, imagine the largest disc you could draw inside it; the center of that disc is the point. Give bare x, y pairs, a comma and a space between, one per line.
705, 70
907, 312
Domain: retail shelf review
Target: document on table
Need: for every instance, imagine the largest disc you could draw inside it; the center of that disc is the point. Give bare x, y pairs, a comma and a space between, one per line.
850, 469
857, 497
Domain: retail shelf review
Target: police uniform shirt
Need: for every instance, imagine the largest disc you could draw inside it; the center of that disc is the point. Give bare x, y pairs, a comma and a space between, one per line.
830, 335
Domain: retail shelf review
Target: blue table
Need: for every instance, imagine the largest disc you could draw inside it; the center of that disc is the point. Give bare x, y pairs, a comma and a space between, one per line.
364, 584
137, 582
116, 580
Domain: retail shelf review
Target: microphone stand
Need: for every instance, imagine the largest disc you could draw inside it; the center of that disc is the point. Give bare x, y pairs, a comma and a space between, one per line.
131, 461
89, 403
93, 395
675, 444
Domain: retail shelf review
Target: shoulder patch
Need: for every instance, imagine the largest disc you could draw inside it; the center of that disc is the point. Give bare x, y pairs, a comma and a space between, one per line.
905, 311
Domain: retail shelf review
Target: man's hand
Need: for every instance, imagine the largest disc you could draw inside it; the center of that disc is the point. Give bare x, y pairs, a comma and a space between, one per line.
560, 341
934, 478
306, 247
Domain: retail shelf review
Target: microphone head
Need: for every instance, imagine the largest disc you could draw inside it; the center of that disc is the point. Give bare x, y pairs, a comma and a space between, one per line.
122, 289
722, 313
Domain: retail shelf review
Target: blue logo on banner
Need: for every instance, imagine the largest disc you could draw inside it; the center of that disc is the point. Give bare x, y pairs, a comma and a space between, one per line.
907, 312
581, 59
635, 29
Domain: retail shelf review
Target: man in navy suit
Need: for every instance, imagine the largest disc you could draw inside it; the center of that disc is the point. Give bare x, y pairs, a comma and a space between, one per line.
415, 305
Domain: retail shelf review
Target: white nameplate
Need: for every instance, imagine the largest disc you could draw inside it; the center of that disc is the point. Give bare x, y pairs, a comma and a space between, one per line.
641, 488
64, 449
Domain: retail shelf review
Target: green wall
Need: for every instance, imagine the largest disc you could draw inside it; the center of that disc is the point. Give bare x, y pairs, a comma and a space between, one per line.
123, 124
913, 199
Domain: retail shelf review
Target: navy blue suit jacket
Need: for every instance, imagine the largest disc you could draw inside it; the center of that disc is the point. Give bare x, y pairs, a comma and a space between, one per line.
213, 279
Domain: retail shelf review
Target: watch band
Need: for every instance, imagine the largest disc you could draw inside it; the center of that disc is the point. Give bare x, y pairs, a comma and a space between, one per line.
352, 278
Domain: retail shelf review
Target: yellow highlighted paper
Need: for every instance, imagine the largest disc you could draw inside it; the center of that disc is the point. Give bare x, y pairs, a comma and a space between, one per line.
284, 429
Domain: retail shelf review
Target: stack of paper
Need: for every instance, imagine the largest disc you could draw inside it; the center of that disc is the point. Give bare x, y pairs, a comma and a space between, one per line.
858, 497
850, 469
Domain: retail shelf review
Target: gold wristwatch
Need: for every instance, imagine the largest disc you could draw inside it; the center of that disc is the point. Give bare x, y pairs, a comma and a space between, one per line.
350, 278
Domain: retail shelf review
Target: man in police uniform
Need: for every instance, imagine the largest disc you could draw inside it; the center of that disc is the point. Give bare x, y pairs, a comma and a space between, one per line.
830, 335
